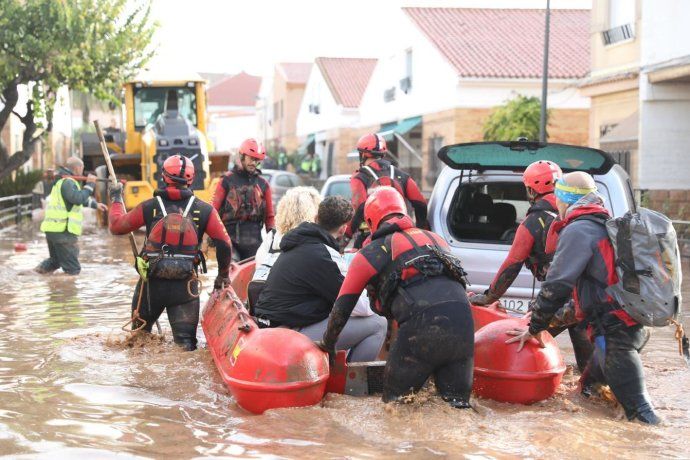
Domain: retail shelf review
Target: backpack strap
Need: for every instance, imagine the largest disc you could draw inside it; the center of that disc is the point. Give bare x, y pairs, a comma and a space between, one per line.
392, 172
371, 172
273, 239
161, 205
189, 206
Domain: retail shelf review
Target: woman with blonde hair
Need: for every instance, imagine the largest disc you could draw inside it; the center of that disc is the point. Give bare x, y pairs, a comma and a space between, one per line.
299, 204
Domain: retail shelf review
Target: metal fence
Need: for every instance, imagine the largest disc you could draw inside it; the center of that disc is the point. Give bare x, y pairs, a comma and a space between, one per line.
683, 231
14, 208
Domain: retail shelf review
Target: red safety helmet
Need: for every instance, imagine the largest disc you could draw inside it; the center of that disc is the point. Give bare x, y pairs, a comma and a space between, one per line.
253, 149
372, 146
541, 176
178, 170
383, 202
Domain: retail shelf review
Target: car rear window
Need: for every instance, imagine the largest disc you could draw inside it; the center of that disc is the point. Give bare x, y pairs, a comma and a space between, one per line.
487, 212
516, 156
340, 189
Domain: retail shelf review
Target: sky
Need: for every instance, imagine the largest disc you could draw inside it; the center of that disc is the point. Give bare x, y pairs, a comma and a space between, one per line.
252, 35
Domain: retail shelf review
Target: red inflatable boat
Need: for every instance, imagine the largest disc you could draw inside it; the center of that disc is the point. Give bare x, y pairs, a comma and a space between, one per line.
263, 368
271, 368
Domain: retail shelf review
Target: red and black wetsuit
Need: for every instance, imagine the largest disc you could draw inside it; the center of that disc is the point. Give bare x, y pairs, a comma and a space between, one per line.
244, 202
408, 284
360, 182
162, 294
529, 246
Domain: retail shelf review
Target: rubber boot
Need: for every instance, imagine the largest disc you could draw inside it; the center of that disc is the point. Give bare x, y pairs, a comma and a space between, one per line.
647, 416
457, 403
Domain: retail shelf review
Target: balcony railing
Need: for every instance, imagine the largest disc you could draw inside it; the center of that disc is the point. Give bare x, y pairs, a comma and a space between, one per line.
618, 34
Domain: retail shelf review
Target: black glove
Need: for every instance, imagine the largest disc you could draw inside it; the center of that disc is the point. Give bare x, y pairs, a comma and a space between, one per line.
115, 193
327, 348
483, 299
220, 282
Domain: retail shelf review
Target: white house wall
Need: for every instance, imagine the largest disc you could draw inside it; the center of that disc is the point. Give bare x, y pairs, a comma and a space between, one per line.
665, 31
434, 81
563, 94
331, 114
227, 133
437, 87
664, 107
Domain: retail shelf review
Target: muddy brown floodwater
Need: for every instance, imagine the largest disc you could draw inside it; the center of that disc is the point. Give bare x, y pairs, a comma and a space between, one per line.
70, 387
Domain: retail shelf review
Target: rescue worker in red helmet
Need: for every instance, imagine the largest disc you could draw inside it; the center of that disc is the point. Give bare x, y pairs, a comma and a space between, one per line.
243, 199
412, 279
529, 248
375, 170
163, 289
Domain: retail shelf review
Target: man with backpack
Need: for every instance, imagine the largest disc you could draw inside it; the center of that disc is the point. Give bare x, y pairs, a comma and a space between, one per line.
585, 266
243, 200
529, 248
375, 171
169, 262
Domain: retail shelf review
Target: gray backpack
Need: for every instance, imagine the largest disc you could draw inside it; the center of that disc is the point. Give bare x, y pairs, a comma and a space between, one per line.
648, 266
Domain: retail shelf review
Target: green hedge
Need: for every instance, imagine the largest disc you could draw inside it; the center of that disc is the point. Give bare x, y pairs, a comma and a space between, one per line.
21, 184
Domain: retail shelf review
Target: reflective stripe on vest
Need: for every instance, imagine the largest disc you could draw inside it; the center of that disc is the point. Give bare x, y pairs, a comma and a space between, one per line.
57, 219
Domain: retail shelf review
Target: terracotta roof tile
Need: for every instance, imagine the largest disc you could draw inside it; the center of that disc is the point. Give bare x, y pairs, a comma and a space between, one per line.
235, 90
347, 78
507, 43
295, 72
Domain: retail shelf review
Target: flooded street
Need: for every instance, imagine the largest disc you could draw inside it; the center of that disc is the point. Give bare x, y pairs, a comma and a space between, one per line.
71, 387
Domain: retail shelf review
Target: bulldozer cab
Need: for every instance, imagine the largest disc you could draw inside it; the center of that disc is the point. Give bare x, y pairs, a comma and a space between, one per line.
163, 116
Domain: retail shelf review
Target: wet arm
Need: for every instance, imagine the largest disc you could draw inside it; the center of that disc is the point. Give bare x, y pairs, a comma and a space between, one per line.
216, 230
121, 222
219, 195
358, 276
415, 197
72, 195
569, 263
270, 214
359, 197
519, 252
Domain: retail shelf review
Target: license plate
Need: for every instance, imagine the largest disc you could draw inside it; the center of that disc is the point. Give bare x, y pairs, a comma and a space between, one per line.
515, 304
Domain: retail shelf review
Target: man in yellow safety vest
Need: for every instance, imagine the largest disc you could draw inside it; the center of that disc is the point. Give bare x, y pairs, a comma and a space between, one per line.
63, 218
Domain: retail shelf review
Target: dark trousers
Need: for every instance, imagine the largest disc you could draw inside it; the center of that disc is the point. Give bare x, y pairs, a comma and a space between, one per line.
63, 249
582, 346
245, 237
616, 362
182, 309
438, 341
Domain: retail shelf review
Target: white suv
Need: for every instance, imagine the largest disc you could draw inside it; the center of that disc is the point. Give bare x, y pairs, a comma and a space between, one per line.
479, 199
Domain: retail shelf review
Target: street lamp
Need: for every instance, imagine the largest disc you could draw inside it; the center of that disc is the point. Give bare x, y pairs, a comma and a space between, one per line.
545, 76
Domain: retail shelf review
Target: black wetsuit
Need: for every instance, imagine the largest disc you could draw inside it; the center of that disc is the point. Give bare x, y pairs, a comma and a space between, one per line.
436, 330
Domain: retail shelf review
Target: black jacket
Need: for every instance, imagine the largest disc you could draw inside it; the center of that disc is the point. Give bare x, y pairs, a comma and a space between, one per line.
304, 281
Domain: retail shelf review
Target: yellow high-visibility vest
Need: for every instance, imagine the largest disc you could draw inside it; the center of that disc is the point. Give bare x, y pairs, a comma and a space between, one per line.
57, 219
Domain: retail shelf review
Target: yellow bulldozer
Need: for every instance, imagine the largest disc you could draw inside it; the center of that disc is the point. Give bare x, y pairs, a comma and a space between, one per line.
164, 116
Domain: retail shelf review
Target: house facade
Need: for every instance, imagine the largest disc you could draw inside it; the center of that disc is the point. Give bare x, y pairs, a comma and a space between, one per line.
329, 113
453, 66
231, 106
639, 86
279, 106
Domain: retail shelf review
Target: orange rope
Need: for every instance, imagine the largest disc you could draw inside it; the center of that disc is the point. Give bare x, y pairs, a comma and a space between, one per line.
679, 335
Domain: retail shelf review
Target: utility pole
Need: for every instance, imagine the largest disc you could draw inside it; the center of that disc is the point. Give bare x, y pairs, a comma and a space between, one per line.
545, 75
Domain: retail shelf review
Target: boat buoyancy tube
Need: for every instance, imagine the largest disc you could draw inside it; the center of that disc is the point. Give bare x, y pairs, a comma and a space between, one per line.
263, 368
503, 374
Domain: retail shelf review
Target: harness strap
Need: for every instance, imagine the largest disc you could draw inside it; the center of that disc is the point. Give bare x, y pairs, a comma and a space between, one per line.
161, 205
371, 172
189, 206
